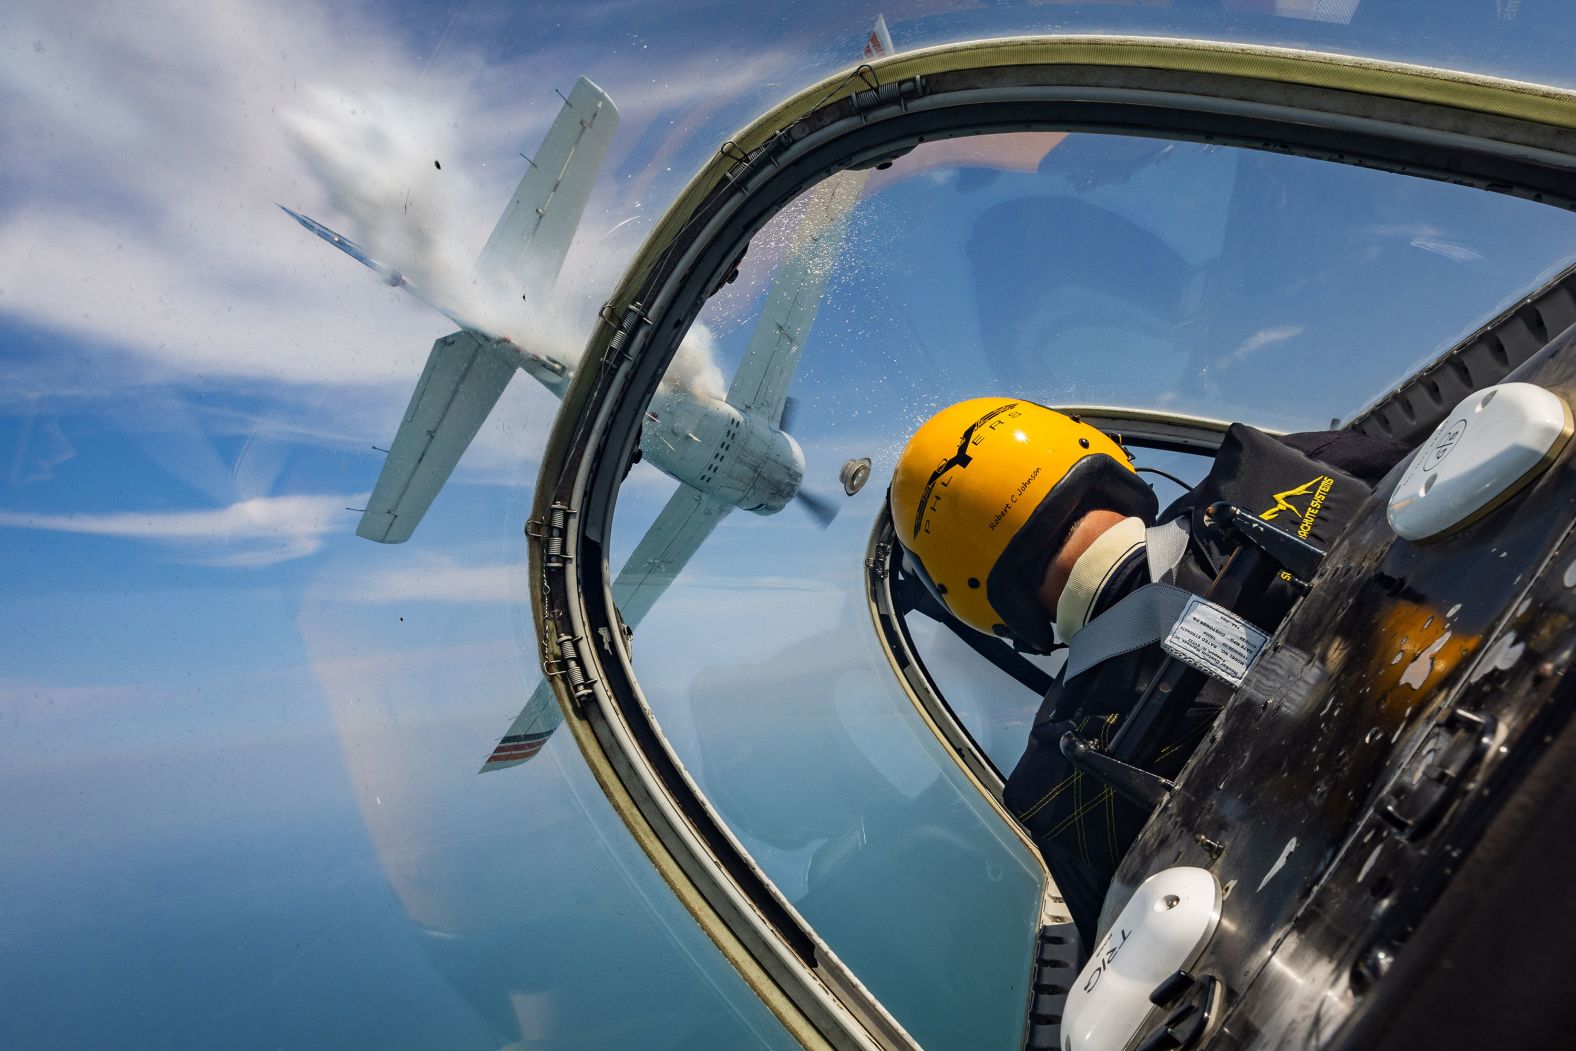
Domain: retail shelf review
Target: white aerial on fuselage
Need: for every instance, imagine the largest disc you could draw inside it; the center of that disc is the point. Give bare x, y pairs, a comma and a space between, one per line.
724, 453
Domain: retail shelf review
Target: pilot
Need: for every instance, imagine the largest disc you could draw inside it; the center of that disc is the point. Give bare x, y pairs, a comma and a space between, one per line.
1029, 524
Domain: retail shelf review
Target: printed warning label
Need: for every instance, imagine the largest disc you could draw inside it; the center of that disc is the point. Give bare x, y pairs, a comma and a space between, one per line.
1214, 640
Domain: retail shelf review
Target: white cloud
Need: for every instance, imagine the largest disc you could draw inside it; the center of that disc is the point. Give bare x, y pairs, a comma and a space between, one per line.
439, 579
139, 223
156, 152
1451, 250
159, 139
259, 531
694, 367
89, 279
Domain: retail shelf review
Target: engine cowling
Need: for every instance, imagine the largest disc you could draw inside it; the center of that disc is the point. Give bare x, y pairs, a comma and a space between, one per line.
778, 478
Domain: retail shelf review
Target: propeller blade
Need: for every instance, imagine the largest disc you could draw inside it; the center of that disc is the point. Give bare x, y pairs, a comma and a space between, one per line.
818, 507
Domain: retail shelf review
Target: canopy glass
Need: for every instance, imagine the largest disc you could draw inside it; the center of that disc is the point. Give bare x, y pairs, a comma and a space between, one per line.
1070, 269
239, 744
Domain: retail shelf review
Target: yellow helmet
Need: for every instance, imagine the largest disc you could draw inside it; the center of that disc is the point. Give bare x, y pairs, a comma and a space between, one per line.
985, 492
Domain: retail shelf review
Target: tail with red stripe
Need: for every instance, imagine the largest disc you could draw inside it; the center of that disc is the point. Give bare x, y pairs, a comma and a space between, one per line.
529, 731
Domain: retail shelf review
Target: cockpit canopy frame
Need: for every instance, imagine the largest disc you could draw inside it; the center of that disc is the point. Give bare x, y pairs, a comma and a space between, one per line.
1497, 135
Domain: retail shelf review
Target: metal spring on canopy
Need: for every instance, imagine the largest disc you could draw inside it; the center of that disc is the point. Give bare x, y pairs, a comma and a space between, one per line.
553, 543
579, 682
633, 317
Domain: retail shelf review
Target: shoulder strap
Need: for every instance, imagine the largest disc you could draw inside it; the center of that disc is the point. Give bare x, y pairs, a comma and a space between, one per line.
1164, 546
1137, 620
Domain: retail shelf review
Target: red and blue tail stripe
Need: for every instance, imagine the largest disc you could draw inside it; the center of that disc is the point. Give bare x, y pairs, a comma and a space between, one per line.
517, 748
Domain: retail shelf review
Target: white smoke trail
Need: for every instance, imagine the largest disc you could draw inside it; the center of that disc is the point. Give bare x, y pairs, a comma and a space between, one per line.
377, 158
694, 366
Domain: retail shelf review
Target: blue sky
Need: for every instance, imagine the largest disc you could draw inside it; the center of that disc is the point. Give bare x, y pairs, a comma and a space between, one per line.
238, 743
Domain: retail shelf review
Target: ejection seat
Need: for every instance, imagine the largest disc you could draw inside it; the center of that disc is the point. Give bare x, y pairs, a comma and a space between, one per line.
1247, 586
1264, 516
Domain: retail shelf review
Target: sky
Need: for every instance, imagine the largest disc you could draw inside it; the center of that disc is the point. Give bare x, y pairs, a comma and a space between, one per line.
238, 744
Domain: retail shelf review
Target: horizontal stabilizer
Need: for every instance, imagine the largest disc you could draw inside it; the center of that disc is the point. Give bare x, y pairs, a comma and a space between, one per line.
528, 246
459, 387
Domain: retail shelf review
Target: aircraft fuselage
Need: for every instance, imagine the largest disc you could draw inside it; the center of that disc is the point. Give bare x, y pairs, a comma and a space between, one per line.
732, 456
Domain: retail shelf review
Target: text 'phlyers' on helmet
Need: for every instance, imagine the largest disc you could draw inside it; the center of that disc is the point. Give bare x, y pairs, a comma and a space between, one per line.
984, 494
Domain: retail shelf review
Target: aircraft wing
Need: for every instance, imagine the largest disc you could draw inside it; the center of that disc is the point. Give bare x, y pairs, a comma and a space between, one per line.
527, 247
761, 383
461, 383
675, 536
683, 524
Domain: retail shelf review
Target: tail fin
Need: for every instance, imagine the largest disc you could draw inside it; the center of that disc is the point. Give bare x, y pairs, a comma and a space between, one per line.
468, 371
531, 239
346, 245
529, 731
879, 42
391, 276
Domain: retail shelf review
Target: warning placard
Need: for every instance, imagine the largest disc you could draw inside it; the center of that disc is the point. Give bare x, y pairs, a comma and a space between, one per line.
1214, 640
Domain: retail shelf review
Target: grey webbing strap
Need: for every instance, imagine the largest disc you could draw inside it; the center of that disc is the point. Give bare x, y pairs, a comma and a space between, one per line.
1164, 546
1143, 617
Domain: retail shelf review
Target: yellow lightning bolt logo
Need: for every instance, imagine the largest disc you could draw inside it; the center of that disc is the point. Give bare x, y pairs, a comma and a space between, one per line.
1283, 500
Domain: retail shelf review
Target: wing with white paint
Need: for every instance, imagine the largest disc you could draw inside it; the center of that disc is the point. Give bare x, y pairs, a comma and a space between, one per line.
528, 246
761, 384
461, 383
684, 523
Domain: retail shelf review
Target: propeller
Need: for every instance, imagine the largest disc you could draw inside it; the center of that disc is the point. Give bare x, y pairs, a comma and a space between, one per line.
821, 508
817, 507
